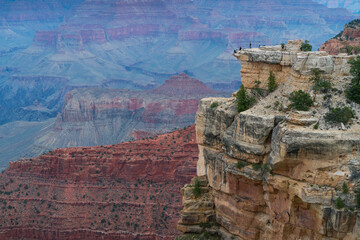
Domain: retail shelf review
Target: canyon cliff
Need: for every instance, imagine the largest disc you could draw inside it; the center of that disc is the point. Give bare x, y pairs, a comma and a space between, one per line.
100, 116
122, 191
51, 47
347, 41
271, 172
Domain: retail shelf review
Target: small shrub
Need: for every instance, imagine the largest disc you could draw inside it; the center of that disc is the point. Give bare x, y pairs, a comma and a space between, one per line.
256, 166
244, 102
358, 199
320, 85
353, 93
300, 100
339, 203
338, 115
214, 105
305, 46
240, 164
345, 188
257, 86
205, 225
316, 126
266, 168
271, 82
197, 188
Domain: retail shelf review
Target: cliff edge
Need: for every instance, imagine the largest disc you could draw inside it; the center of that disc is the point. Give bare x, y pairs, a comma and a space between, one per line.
272, 172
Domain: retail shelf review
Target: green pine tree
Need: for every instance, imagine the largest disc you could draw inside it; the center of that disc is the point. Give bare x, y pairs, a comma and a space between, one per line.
244, 102
271, 82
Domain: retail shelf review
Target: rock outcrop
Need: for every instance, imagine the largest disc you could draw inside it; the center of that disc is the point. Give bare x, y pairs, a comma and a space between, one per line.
347, 41
122, 191
268, 173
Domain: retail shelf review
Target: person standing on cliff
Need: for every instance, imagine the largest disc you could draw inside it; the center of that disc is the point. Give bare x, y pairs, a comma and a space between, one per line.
250, 44
259, 44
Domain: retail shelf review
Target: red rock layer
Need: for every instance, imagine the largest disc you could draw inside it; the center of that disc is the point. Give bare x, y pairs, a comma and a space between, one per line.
348, 41
123, 191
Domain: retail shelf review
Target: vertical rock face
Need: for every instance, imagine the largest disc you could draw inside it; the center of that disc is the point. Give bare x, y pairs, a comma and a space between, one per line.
267, 173
124, 191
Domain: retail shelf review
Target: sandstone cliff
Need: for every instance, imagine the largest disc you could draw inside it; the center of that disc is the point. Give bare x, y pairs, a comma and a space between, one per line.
123, 191
268, 172
347, 41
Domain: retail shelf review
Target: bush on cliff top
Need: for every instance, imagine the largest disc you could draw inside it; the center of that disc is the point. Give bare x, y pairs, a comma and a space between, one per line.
244, 102
305, 46
214, 105
300, 100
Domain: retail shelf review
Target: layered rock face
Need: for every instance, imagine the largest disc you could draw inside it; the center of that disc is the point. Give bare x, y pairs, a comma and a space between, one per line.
134, 45
347, 41
266, 173
97, 116
122, 191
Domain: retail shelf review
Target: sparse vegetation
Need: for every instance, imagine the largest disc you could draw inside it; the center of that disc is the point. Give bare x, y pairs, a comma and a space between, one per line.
244, 102
197, 188
316, 126
339, 115
257, 86
240, 164
353, 93
350, 50
305, 46
256, 166
214, 105
320, 85
345, 188
339, 203
358, 198
300, 100
272, 82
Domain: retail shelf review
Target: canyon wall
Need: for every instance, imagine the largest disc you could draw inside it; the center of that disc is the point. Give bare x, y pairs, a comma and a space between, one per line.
268, 172
347, 41
100, 116
122, 191
133, 45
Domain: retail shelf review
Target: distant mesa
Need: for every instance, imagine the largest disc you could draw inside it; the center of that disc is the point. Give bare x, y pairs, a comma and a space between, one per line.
183, 85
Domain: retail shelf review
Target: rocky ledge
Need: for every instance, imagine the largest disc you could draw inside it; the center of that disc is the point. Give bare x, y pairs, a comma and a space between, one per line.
269, 172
